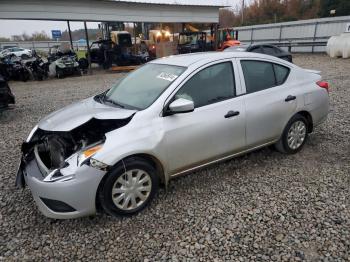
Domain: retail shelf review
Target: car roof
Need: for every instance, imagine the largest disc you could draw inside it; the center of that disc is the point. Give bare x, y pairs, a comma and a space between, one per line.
187, 60
263, 44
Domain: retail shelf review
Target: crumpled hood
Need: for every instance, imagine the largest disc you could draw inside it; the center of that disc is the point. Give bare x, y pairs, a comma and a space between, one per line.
79, 113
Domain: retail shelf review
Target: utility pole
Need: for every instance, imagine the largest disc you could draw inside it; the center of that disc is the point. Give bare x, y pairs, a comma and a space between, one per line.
242, 12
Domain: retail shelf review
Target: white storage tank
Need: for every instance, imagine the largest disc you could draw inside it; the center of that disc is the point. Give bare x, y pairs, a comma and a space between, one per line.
339, 46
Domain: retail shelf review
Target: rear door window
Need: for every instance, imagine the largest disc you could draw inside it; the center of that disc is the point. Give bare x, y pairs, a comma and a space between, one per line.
261, 75
258, 75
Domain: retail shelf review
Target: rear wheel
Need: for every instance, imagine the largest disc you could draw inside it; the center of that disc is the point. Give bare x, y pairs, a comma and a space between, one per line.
294, 135
129, 187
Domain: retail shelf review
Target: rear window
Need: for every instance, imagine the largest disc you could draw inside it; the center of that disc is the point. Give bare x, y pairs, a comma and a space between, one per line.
256, 49
269, 50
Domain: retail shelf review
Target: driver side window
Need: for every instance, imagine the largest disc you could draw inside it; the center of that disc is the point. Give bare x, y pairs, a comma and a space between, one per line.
213, 84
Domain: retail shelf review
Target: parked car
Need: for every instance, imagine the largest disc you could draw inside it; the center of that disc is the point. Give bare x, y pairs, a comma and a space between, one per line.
167, 118
262, 49
6, 96
17, 51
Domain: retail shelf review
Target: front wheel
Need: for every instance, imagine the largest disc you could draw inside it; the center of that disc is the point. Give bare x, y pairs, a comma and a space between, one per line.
129, 187
294, 135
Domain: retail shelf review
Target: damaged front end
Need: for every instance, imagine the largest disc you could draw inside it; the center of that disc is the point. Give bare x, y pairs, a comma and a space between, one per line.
46, 153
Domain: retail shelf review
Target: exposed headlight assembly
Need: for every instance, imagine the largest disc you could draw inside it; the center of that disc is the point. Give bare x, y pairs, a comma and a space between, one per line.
86, 157
87, 153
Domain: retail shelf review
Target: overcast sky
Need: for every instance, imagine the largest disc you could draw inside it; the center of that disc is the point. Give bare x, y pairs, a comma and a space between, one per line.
17, 27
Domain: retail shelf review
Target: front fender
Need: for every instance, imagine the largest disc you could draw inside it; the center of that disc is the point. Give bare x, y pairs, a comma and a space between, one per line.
134, 139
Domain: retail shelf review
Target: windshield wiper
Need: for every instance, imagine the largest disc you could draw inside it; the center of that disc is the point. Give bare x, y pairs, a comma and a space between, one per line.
105, 99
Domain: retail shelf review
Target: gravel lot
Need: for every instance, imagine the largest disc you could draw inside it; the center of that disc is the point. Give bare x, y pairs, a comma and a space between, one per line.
262, 206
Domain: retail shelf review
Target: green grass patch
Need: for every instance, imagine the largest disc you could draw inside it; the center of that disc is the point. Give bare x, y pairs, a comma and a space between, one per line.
81, 53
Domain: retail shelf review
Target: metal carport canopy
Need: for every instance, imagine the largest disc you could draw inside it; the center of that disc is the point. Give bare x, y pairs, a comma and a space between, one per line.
171, 11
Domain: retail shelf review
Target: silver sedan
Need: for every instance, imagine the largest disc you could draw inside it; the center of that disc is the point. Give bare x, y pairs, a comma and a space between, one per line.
169, 117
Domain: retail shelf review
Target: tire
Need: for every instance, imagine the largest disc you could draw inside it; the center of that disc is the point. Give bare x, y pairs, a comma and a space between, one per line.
59, 74
296, 132
78, 72
106, 65
118, 179
83, 63
25, 76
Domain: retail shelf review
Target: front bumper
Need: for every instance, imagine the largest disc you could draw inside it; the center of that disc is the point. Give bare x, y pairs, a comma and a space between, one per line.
69, 70
77, 192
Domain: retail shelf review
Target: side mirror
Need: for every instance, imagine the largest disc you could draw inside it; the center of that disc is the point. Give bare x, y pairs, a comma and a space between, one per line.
181, 105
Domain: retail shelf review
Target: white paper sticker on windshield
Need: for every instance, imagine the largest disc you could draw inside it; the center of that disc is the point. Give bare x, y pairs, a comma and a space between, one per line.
167, 76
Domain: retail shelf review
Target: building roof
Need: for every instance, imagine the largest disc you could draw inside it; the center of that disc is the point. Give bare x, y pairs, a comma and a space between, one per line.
217, 3
158, 11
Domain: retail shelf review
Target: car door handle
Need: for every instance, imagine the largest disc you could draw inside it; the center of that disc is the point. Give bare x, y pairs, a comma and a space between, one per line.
231, 114
290, 98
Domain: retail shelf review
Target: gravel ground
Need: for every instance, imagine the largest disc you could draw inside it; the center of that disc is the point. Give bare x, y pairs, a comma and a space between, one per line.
262, 206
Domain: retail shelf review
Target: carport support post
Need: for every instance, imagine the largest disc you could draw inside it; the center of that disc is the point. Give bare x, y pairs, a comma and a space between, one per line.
88, 47
70, 36
216, 37
135, 47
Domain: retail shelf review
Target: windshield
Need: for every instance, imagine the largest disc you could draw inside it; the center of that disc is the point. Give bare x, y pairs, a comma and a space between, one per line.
139, 89
188, 39
124, 40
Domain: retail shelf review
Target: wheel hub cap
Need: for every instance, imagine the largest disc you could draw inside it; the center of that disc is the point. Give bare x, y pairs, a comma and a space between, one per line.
131, 189
296, 134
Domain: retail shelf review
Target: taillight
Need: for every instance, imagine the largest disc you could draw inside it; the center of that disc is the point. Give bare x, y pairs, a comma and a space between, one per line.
323, 84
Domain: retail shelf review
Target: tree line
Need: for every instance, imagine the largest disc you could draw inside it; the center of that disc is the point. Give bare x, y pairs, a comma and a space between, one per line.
274, 11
